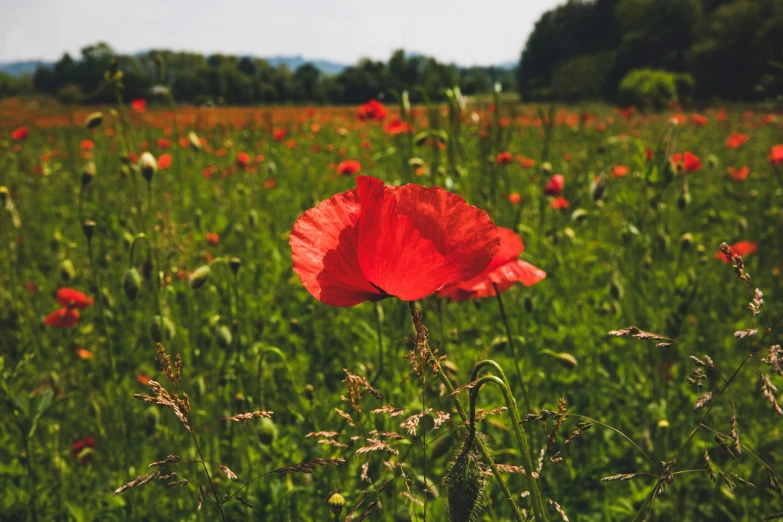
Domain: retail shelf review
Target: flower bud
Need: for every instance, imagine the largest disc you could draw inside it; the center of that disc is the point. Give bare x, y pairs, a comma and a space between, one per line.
234, 263
148, 165
465, 484
88, 172
267, 431
566, 360
546, 166
88, 227
224, 337
162, 329
199, 277
598, 189
685, 199
3, 195
309, 392
686, 241
336, 504
579, 215
94, 120
195, 142
131, 283
67, 270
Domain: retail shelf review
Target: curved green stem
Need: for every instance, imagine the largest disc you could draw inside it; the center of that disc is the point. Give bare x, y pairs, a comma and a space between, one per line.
512, 346
138, 237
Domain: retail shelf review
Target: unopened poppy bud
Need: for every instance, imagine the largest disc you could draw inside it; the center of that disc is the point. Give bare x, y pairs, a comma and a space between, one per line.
195, 142
598, 190
94, 120
579, 215
616, 289
131, 283
88, 172
701, 249
686, 241
566, 360
663, 423
224, 337
465, 483
712, 161
67, 270
309, 392
742, 225
416, 162
162, 329
88, 227
684, 200
267, 431
146, 269
197, 215
546, 166
234, 263
199, 277
3, 195
336, 504
148, 165
252, 218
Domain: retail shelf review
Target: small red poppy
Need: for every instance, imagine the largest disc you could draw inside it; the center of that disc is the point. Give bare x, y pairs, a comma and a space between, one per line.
620, 171
372, 110
505, 270
739, 174
554, 186
376, 241
648, 154
349, 168
143, 378
62, 318
213, 238
20, 133
163, 143
503, 158
139, 105
736, 140
243, 159
775, 157
396, 127
559, 203
699, 120
514, 198
279, 134
685, 162
741, 248
164, 161
87, 145
78, 448
70, 298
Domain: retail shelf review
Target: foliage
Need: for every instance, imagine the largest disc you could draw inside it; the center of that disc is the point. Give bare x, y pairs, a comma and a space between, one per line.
653, 89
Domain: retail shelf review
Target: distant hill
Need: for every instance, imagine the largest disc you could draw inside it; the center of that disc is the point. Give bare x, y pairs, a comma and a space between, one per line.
21, 68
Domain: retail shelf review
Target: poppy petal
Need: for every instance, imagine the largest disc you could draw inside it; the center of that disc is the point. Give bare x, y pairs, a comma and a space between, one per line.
324, 248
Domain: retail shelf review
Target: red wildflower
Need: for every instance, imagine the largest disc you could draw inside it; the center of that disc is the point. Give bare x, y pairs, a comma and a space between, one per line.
213, 238
290, 144
505, 269
514, 198
376, 241
699, 120
163, 143
349, 168
70, 298
80, 447
143, 378
769, 118
87, 145
775, 157
503, 158
164, 161
270, 183
83, 353
396, 127
372, 110
555, 185
739, 174
628, 112
741, 248
620, 171
139, 105
279, 134
20, 133
722, 116
687, 162
736, 140
559, 203
243, 159
62, 318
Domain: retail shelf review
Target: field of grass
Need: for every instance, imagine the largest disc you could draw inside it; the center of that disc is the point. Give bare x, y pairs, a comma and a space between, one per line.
195, 255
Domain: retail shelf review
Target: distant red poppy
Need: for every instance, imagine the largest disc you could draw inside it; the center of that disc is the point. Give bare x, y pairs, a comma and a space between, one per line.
559, 203
372, 110
290, 144
213, 238
628, 112
78, 448
514, 198
139, 105
70, 298
62, 318
396, 127
270, 183
769, 118
526, 162
143, 378
741, 248
243, 159
722, 116
164, 161
505, 270
83, 353
20, 133
503, 158
163, 143
87, 145
775, 157
376, 241
554, 186
736, 140
349, 168
699, 120
685, 162
279, 134
620, 171
739, 174
648, 154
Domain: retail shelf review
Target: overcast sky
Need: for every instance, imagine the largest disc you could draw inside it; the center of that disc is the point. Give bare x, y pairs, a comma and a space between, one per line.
465, 32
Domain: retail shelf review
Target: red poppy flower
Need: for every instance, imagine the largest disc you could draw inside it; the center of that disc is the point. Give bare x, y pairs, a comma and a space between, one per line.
505, 269
514, 198
736, 140
559, 203
741, 248
769, 118
164, 161
290, 144
628, 112
243, 159
78, 448
62, 318
139, 105
687, 162
349, 168
376, 241
722, 116
213, 238
87, 145
163, 143
739, 174
143, 378
372, 110
270, 183
279, 134
526, 162
620, 171
699, 120
776, 156
70, 298
555, 185
396, 127
503, 158
648, 154
20, 133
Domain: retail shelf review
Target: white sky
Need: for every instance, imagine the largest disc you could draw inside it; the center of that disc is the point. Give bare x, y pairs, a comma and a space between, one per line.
482, 32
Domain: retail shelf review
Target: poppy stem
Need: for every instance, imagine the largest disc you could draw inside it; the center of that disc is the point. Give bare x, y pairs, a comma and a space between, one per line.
418, 322
379, 335
511, 344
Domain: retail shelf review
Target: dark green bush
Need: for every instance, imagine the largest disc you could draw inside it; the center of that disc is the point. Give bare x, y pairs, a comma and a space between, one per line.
654, 89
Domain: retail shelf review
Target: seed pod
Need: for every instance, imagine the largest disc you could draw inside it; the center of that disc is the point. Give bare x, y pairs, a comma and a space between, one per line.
162, 329
309, 392
336, 503
67, 270
94, 120
199, 277
148, 165
234, 263
465, 486
88, 172
131, 283
566, 360
686, 241
195, 142
598, 189
88, 227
